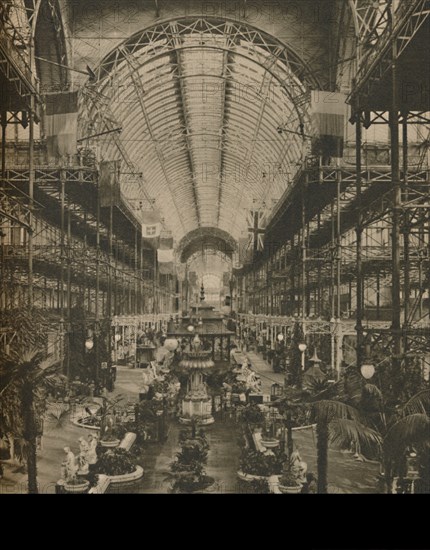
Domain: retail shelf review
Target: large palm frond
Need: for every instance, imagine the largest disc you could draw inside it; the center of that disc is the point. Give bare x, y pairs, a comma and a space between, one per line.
417, 404
328, 410
413, 429
57, 416
32, 366
343, 431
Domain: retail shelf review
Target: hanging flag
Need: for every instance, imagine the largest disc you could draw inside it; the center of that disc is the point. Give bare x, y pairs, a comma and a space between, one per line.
328, 111
256, 223
151, 226
165, 253
226, 279
109, 186
61, 124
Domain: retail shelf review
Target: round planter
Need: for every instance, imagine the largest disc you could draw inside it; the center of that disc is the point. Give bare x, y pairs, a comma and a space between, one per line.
77, 488
78, 422
270, 443
290, 490
110, 444
126, 478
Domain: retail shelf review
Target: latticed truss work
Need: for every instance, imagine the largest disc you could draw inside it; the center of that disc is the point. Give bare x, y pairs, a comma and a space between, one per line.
385, 30
199, 101
80, 257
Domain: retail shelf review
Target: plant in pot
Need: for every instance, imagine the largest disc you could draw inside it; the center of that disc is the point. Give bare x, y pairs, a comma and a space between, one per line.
108, 434
115, 462
76, 485
187, 471
268, 438
254, 463
289, 483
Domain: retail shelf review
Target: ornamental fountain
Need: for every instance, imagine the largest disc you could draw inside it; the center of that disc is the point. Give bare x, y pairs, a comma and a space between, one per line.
197, 404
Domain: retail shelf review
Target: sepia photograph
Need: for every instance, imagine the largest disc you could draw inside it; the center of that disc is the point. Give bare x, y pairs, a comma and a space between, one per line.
215, 247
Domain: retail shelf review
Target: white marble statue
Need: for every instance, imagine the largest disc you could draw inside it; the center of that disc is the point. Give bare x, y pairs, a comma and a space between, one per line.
70, 465
83, 455
298, 466
92, 446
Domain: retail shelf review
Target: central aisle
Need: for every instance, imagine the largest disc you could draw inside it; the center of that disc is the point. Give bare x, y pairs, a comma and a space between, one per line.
223, 459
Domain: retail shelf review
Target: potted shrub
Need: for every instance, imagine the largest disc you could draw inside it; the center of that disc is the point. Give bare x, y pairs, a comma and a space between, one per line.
115, 462
187, 471
108, 437
289, 484
256, 465
268, 438
76, 485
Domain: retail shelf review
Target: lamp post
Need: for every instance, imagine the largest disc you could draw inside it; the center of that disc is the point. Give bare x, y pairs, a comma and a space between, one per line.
302, 349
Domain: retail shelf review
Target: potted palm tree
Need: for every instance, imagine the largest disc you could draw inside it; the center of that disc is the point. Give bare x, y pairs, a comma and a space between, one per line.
108, 433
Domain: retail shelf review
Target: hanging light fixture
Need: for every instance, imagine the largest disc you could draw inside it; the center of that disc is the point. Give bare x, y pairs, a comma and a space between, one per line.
280, 337
89, 344
190, 328
171, 344
117, 337
367, 370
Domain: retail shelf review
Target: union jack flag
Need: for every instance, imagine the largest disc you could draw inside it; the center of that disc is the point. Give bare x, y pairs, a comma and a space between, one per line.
256, 229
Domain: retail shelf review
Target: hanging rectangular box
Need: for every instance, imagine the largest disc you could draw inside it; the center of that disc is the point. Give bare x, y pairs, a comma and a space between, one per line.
328, 111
